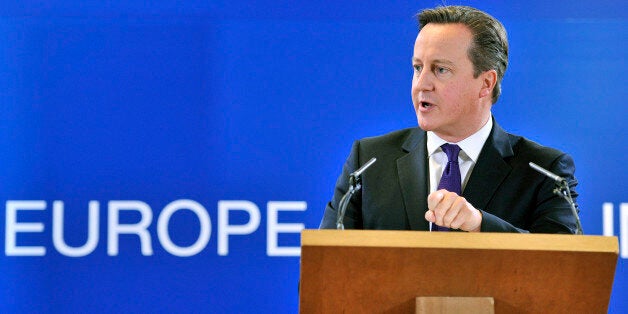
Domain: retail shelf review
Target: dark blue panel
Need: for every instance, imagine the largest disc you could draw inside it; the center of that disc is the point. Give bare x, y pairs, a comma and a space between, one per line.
257, 101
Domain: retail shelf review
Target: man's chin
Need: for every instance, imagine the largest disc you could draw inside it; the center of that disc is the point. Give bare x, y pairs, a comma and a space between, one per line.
425, 125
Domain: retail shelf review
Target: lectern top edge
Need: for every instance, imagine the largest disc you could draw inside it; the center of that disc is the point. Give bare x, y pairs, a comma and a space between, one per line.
460, 240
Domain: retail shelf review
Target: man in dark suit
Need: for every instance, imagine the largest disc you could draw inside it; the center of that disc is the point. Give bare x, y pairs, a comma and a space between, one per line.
460, 56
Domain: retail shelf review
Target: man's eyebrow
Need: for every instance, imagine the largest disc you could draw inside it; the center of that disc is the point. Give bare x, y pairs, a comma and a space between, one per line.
439, 61
444, 61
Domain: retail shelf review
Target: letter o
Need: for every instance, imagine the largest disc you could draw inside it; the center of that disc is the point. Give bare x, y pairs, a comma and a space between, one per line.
164, 220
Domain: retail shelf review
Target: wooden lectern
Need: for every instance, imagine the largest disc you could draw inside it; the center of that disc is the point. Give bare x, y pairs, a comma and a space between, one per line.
360, 271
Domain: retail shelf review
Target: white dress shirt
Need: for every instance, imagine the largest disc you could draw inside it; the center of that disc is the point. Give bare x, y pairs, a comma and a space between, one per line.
470, 149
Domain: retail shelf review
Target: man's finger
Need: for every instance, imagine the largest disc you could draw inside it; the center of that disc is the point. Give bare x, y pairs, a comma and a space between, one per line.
429, 216
461, 216
434, 198
443, 208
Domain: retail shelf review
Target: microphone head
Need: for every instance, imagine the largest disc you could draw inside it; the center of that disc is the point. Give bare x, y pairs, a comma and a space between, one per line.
546, 172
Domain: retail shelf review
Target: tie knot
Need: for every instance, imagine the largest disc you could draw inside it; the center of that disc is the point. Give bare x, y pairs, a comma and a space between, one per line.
452, 151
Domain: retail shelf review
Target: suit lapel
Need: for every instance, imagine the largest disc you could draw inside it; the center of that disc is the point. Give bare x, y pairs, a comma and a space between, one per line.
490, 170
413, 178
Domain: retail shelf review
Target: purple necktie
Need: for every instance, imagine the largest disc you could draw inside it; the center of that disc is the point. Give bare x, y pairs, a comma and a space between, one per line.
450, 180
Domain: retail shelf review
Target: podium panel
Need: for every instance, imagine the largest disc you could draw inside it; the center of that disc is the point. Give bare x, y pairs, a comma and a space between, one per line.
449, 305
359, 271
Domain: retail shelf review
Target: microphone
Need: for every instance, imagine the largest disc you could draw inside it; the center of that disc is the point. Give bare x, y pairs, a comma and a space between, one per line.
355, 184
545, 172
562, 190
355, 176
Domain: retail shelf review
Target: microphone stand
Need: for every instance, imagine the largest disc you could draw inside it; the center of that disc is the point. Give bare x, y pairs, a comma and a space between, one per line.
355, 184
561, 189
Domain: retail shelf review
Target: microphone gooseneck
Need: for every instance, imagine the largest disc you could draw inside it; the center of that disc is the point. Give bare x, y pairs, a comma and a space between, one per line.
355, 184
562, 190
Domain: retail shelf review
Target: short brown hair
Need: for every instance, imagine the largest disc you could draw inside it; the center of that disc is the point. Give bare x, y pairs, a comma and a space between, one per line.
489, 50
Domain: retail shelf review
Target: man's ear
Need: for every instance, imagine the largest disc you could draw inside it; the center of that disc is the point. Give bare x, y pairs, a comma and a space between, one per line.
489, 79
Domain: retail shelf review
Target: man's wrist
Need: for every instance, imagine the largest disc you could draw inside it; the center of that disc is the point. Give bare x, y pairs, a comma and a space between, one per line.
479, 227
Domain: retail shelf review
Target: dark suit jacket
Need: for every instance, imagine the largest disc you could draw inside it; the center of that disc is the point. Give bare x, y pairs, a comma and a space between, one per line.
511, 196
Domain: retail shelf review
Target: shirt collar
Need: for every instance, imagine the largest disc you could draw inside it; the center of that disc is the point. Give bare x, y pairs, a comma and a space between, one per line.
471, 146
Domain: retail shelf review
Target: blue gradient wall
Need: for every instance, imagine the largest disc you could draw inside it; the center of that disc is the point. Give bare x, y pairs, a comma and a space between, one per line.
137, 107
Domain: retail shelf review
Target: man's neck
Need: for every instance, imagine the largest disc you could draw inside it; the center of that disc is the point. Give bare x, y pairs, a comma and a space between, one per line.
459, 136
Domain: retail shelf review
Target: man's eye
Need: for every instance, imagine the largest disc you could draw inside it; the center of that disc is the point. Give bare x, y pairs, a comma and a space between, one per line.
417, 68
441, 70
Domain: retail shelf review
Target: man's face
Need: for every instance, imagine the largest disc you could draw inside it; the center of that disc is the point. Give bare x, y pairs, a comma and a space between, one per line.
447, 98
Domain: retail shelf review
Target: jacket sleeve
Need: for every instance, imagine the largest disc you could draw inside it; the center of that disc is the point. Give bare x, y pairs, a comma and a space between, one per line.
550, 212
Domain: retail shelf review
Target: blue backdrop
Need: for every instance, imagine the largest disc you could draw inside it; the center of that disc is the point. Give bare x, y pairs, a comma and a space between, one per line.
162, 115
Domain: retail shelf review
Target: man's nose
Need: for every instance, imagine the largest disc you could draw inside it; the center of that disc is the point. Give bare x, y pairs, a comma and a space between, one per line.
423, 80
